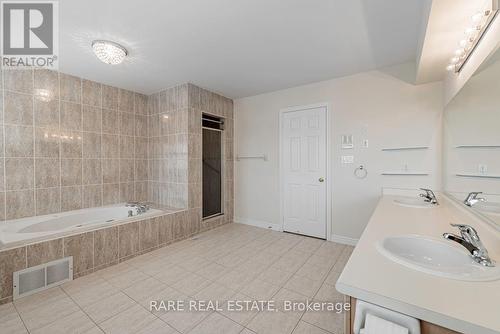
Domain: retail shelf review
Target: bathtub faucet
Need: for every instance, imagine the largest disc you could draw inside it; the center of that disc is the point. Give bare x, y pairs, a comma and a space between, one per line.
141, 207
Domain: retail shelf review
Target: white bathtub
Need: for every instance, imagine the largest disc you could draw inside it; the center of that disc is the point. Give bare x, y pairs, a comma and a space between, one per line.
25, 230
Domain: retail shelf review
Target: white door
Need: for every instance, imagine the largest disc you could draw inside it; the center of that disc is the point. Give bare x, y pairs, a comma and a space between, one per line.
304, 171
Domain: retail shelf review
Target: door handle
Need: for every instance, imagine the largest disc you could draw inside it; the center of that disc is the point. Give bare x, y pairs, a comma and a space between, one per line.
321, 179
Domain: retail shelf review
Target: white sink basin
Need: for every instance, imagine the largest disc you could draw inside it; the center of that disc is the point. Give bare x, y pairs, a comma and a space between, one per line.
488, 208
436, 257
413, 203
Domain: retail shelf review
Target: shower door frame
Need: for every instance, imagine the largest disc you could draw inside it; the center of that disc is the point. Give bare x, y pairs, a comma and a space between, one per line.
223, 170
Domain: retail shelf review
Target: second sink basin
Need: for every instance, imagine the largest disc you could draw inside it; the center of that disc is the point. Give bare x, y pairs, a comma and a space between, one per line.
435, 257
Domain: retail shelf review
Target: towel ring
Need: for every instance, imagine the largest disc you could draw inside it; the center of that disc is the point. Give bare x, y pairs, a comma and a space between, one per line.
361, 172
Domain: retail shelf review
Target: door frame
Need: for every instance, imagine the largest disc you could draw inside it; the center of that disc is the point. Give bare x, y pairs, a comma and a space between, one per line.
329, 174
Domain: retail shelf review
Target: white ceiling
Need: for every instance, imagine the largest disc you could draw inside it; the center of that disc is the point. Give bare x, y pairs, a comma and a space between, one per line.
237, 47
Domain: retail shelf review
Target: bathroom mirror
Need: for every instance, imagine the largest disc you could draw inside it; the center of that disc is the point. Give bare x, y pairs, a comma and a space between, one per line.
471, 142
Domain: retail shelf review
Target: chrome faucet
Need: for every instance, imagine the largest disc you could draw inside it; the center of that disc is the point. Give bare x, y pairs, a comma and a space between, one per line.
429, 196
470, 240
141, 207
472, 198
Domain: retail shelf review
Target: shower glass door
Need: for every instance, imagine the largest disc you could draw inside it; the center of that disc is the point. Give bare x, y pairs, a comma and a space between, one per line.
212, 172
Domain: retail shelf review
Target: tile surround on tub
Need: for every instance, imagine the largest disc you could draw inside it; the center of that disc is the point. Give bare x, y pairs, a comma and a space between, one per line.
58, 130
81, 248
128, 236
106, 246
11, 260
47, 201
101, 248
143, 148
46, 175
44, 252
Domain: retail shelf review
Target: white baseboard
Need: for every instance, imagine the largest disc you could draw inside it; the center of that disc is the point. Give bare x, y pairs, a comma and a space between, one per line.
276, 227
258, 223
344, 240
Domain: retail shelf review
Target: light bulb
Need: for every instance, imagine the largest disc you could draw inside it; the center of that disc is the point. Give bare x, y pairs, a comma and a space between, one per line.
471, 31
450, 67
463, 43
476, 18
454, 60
459, 52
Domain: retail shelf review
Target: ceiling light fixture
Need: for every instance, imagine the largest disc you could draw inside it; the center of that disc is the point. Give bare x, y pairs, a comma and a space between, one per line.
109, 52
481, 20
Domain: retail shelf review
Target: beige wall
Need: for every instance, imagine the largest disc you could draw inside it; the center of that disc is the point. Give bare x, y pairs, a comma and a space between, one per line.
374, 106
69, 143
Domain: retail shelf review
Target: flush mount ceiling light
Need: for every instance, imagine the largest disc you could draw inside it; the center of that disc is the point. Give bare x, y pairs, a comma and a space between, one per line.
109, 52
480, 21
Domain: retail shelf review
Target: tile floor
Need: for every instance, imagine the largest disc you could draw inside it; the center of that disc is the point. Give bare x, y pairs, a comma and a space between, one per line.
234, 262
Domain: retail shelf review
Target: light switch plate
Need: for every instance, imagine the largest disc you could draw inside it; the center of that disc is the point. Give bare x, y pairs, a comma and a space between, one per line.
347, 142
483, 169
347, 159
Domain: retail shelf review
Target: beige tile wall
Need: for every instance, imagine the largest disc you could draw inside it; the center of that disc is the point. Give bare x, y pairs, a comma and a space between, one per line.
168, 144
175, 155
68, 143
97, 249
203, 101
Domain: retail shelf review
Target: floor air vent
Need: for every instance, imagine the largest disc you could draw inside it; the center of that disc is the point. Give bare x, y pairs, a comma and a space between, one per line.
44, 276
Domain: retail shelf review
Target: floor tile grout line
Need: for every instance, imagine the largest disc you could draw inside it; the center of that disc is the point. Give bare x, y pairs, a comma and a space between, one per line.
323, 282
100, 300
19, 315
51, 322
81, 308
128, 308
316, 326
137, 302
292, 290
211, 243
192, 296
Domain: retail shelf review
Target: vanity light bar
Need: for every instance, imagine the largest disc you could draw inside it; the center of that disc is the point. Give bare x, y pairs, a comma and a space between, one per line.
479, 25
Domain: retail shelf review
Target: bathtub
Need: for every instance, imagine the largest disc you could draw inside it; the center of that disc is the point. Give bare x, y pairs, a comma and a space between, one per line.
26, 230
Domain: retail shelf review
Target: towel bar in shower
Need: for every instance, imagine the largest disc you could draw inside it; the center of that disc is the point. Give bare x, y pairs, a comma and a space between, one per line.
248, 157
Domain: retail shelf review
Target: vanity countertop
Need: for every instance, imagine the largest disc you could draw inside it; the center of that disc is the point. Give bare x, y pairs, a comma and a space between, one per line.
466, 307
